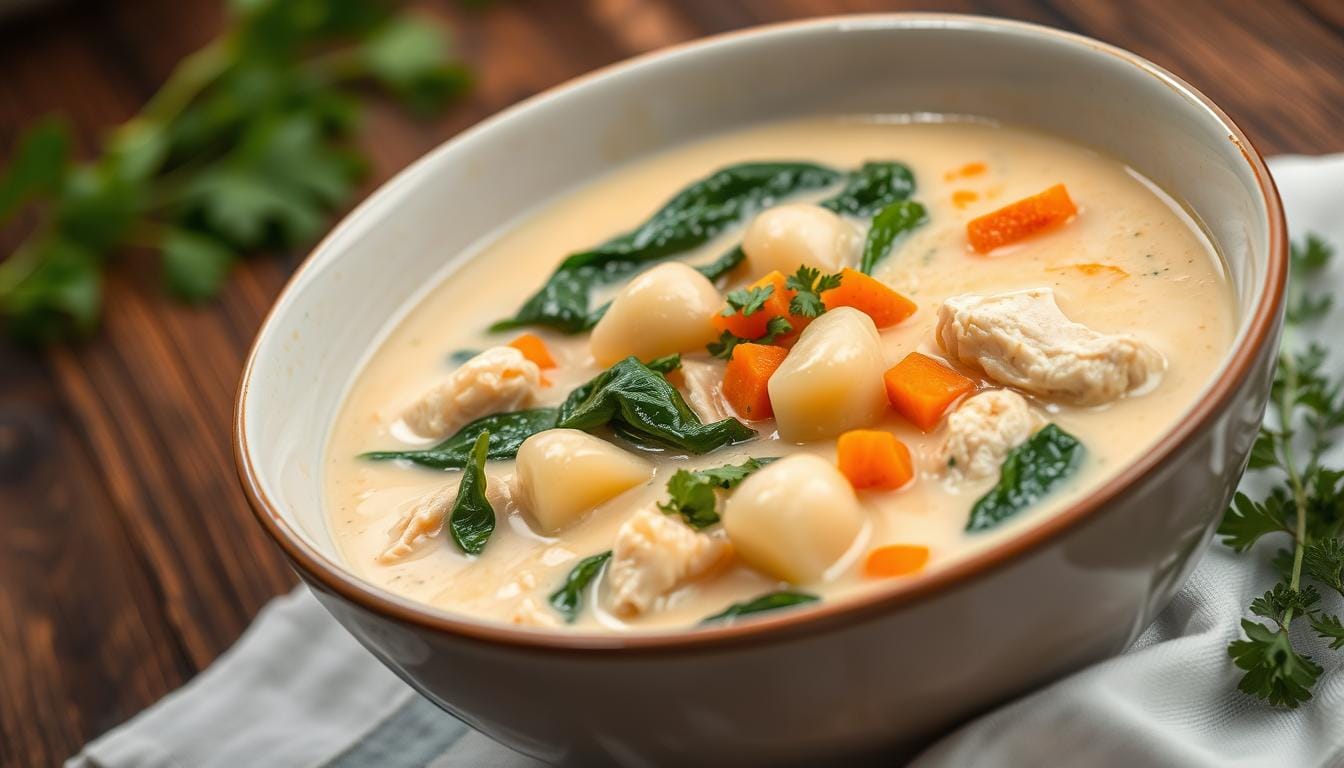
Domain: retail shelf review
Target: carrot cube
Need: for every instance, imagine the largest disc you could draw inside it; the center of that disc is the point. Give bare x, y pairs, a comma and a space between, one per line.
1015, 221
870, 296
921, 389
895, 560
871, 458
746, 378
754, 326
534, 349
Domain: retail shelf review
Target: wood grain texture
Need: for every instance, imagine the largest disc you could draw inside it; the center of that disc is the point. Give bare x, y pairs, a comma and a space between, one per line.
128, 558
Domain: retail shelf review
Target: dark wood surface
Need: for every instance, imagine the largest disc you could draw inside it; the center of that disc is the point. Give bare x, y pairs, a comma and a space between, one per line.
128, 558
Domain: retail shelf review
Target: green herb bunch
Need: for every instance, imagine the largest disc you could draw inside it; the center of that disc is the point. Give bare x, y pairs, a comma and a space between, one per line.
1307, 506
246, 146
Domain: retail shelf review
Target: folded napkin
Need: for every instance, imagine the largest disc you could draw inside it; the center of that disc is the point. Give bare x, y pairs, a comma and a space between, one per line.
297, 690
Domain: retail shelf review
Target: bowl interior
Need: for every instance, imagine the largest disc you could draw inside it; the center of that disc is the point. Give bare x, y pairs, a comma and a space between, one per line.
421, 225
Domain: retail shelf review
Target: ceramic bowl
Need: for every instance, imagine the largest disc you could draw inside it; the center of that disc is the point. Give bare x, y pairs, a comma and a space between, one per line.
882, 673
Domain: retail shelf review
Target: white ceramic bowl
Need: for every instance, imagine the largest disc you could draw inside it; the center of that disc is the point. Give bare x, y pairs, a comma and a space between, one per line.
880, 673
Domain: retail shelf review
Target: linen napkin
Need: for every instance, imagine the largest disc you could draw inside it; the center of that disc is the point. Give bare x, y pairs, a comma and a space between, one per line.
296, 690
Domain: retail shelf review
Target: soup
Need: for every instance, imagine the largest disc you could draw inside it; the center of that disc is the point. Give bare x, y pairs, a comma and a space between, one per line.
773, 368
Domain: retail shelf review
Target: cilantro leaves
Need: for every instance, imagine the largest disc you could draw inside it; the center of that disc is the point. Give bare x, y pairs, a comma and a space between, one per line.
808, 283
728, 341
247, 146
748, 301
1308, 505
692, 493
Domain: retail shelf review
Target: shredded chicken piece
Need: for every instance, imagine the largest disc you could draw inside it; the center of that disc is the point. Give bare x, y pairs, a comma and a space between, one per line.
530, 613
984, 428
1022, 339
655, 553
704, 390
498, 379
425, 520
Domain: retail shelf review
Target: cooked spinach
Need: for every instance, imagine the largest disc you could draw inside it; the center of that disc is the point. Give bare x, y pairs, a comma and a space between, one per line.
889, 224
770, 602
692, 218
724, 264
472, 519
568, 599
1029, 473
666, 363
639, 402
872, 188
506, 432
692, 493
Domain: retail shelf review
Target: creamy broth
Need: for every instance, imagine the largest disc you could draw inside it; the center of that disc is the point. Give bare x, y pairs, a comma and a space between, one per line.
1162, 283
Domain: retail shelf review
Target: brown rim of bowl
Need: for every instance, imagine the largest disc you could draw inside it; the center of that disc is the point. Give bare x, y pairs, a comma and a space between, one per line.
332, 577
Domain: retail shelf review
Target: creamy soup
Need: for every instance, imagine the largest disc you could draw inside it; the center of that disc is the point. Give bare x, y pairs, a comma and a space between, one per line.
1031, 304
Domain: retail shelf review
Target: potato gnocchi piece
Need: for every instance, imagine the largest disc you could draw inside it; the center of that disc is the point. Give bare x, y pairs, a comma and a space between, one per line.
794, 519
983, 429
653, 555
831, 380
564, 473
786, 237
1022, 339
498, 379
664, 310
425, 520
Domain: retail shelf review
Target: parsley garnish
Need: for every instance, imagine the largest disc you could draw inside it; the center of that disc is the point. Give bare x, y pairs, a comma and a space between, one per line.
691, 493
248, 145
728, 341
808, 284
748, 301
1308, 506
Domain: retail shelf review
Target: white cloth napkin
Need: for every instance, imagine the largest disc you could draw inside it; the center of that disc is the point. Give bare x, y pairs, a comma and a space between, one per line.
296, 690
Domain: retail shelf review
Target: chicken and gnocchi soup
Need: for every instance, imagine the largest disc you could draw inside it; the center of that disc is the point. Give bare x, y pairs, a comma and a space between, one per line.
774, 368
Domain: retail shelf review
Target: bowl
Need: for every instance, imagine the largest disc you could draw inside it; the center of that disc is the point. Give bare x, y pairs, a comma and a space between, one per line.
880, 674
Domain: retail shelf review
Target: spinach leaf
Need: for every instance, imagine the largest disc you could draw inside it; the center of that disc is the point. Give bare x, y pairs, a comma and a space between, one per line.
770, 602
872, 188
890, 223
691, 493
472, 519
507, 431
724, 264
666, 363
1029, 473
568, 599
696, 215
638, 401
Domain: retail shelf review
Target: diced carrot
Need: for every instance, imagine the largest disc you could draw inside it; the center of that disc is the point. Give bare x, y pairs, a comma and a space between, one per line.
1092, 269
895, 560
534, 349
921, 389
1015, 221
753, 326
870, 296
871, 458
746, 378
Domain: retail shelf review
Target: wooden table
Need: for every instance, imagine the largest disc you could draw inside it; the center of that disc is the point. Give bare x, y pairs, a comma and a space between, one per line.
128, 557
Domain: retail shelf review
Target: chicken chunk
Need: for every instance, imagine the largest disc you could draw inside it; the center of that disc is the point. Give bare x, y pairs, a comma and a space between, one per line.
424, 521
530, 613
984, 428
497, 380
654, 553
1022, 339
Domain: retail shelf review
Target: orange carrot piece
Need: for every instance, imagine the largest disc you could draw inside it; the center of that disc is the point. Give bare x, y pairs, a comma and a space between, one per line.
1015, 221
746, 377
870, 296
534, 349
753, 326
895, 560
871, 458
921, 389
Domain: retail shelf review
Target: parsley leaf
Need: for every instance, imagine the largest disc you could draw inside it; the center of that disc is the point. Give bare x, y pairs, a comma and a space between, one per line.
728, 341
691, 493
1274, 670
809, 283
1246, 520
1328, 627
748, 301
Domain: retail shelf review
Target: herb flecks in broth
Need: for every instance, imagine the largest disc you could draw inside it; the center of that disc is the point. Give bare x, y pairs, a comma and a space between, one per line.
568, 599
640, 402
1029, 473
506, 432
696, 215
692, 493
472, 519
772, 602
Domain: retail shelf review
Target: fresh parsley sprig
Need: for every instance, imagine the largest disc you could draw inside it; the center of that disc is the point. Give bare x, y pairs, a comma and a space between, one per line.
808, 283
748, 301
693, 493
1308, 505
247, 146
728, 341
